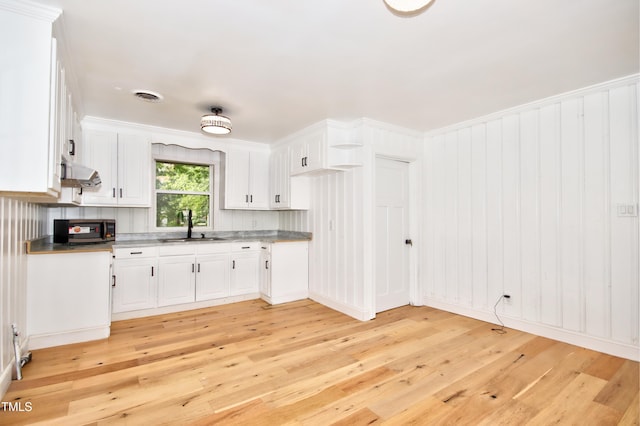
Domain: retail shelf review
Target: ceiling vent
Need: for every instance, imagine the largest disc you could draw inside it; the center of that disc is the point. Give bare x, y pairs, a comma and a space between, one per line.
148, 95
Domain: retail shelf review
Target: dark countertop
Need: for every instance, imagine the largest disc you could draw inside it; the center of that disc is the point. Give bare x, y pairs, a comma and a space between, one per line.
46, 246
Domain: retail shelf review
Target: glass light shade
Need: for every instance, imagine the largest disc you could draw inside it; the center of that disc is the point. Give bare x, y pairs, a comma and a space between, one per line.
407, 6
215, 124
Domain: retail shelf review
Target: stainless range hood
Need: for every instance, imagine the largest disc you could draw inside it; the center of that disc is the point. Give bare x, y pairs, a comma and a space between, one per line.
78, 176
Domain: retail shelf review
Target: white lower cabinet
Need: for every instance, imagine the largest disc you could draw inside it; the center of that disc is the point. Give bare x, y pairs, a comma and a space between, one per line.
146, 278
285, 271
67, 298
135, 279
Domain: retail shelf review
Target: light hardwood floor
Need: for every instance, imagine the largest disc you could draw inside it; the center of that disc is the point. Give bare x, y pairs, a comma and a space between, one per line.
302, 363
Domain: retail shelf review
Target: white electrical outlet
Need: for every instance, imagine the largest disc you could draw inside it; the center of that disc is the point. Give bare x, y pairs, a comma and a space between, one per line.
627, 210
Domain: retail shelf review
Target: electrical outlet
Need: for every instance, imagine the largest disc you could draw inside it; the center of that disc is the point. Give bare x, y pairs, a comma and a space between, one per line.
507, 299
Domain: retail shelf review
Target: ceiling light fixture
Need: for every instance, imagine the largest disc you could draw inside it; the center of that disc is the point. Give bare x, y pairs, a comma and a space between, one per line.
407, 6
215, 123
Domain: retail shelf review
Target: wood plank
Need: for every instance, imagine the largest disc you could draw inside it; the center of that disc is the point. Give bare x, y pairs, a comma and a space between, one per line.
303, 363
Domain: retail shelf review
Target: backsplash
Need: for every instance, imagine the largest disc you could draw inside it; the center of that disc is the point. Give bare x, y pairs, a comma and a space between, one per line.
137, 220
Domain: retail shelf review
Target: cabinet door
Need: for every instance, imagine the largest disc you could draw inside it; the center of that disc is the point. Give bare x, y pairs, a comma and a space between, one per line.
27, 68
297, 154
134, 170
176, 280
136, 284
259, 180
289, 272
265, 274
315, 148
100, 151
212, 276
279, 179
236, 192
245, 273
275, 162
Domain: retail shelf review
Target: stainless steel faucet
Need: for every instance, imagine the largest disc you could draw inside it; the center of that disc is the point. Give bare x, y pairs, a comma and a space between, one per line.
189, 224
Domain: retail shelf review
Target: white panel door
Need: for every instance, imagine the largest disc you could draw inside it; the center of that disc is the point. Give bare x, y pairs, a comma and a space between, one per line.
392, 230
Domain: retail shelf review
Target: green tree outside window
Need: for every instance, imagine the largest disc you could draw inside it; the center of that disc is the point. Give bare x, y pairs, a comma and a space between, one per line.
180, 188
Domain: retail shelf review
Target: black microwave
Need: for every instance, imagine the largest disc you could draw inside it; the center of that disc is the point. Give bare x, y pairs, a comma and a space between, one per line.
82, 231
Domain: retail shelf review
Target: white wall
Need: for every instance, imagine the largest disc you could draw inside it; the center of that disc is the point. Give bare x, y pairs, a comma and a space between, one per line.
341, 254
19, 221
525, 203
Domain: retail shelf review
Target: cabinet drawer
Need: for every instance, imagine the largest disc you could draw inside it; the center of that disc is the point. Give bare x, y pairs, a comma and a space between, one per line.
215, 248
135, 252
177, 250
245, 246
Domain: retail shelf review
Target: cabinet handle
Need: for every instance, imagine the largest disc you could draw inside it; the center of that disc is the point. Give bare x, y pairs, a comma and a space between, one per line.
113, 279
302, 162
63, 171
233, 265
198, 268
114, 193
246, 247
152, 271
251, 198
193, 268
246, 198
120, 192
266, 264
72, 147
135, 252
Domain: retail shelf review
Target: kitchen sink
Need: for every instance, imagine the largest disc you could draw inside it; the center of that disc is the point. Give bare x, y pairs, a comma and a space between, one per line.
191, 240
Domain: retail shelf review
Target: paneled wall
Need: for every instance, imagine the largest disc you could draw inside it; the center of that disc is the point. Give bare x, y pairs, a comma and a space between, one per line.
527, 203
19, 221
341, 219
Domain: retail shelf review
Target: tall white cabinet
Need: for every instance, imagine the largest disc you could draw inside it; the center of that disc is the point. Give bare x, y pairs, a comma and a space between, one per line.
28, 104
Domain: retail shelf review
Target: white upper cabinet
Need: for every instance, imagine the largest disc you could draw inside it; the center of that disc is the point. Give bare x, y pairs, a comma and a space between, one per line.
28, 72
325, 147
286, 192
124, 164
246, 184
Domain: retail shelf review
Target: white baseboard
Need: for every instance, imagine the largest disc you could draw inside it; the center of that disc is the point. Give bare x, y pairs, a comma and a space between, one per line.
574, 338
7, 374
183, 307
285, 298
39, 341
359, 314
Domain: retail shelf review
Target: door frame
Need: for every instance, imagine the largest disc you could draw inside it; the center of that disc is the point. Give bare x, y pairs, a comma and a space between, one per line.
415, 201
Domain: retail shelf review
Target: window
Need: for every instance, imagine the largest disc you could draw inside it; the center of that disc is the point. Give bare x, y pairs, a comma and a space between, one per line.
179, 188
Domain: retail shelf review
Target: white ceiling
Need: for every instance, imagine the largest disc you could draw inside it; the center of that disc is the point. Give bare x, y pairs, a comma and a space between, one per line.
276, 66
